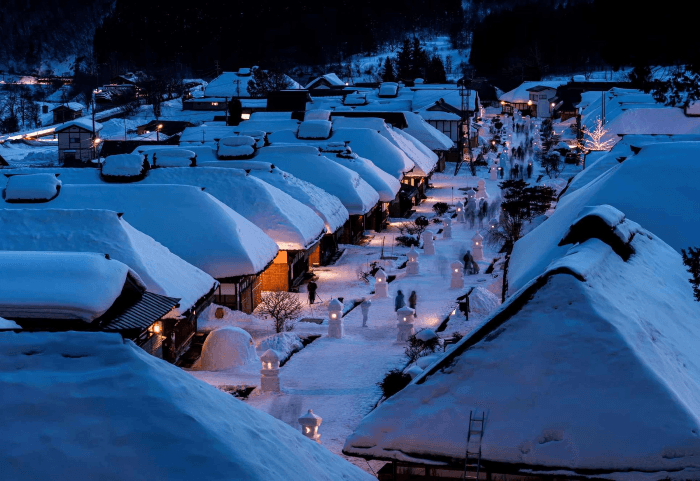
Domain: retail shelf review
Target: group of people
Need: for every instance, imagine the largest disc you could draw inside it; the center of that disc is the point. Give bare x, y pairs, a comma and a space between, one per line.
399, 301
474, 210
470, 266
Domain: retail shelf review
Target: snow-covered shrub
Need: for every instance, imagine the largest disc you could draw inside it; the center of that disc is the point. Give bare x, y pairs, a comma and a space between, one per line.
421, 344
407, 241
284, 344
440, 208
394, 381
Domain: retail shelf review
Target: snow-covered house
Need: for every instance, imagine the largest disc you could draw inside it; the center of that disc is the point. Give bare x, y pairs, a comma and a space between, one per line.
77, 142
103, 409
191, 223
590, 370
67, 112
327, 81
87, 291
235, 84
105, 232
530, 98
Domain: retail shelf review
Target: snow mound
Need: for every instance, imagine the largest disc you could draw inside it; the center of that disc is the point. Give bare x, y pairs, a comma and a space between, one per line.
317, 115
102, 408
226, 348
283, 343
123, 165
32, 187
207, 320
426, 335
5, 324
388, 89
483, 301
173, 158
315, 129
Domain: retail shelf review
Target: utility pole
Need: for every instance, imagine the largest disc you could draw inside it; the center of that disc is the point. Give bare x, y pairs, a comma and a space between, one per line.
217, 68
226, 109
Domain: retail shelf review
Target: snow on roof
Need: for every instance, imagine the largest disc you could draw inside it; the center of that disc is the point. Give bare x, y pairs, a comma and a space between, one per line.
105, 232
70, 105
5, 324
520, 94
60, 285
388, 89
437, 115
172, 157
193, 224
366, 143
123, 165
617, 101
307, 164
331, 78
592, 327
658, 187
236, 146
204, 153
424, 160
82, 122
317, 114
386, 186
426, 133
647, 121
386, 105
102, 408
327, 206
206, 133
424, 98
267, 126
314, 129
291, 224
271, 116
235, 84
32, 187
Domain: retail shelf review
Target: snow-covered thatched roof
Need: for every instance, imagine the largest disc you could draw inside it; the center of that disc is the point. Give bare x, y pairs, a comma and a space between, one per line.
235, 84
521, 94
106, 232
658, 186
331, 78
425, 133
102, 408
591, 368
193, 224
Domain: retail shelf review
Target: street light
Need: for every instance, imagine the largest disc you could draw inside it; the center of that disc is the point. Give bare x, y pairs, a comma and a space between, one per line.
160, 126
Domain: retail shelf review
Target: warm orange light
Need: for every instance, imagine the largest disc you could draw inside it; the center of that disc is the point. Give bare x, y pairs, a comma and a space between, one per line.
529, 102
245, 116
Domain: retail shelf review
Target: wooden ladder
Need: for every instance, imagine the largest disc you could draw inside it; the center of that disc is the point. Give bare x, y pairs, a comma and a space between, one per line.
472, 460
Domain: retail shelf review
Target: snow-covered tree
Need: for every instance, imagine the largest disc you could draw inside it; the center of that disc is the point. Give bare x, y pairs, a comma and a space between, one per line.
595, 137
266, 81
681, 89
388, 73
691, 259
283, 307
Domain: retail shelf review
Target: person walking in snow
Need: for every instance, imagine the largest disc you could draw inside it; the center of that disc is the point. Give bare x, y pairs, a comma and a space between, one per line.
529, 170
311, 287
399, 301
412, 300
366, 304
467, 261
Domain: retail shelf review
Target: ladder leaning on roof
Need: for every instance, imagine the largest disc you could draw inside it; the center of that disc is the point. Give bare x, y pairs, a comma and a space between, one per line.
473, 452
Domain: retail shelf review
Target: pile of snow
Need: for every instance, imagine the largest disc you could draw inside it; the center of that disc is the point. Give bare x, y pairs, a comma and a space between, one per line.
124, 165
60, 285
482, 301
173, 158
226, 348
32, 187
284, 344
258, 135
205, 135
106, 232
317, 115
388, 89
236, 147
267, 126
202, 153
657, 186
271, 116
208, 321
596, 326
103, 408
355, 99
40, 157
8, 325
314, 129
191, 223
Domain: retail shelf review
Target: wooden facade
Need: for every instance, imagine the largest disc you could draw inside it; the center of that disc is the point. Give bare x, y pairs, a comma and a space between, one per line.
75, 144
240, 293
63, 113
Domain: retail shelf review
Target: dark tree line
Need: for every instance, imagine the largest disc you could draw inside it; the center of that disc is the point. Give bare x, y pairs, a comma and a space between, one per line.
412, 62
265, 33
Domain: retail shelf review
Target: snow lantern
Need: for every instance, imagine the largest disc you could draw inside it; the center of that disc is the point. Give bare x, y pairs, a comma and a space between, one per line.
381, 286
405, 324
270, 372
478, 247
493, 224
481, 192
428, 245
471, 193
226, 348
457, 278
412, 264
309, 426
447, 229
494, 172
335, 319
460, 213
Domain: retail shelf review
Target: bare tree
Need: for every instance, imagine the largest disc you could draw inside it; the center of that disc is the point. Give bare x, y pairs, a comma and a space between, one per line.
283, 307
595, 137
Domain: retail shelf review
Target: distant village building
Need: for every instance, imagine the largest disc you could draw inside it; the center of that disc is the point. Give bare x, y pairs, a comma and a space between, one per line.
327, 81
67, 112
77, 143
531, 98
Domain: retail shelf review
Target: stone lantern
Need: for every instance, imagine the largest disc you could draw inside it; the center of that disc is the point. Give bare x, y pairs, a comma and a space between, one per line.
457, 275
309, 426
405, 324
335, 319
494, 172
481, 193
381, 286
428, 245
270, 372
447, 229
412, 264
460, 213
478, 247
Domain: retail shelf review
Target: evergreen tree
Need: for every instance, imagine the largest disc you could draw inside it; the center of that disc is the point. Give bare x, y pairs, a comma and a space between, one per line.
266, 81
403, 61
691, 259
640, 78
388, 72
435, 73
419, 60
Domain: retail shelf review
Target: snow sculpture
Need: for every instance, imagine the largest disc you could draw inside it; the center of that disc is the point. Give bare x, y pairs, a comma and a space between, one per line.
366, 304
226, 348
460, 213
457, 280
309, 426
494, 172
447, 229
381, 286
493, 223
481, 193
471, 193
405, 325
335, 319
270, 372
428, 245
412, 264
478, 247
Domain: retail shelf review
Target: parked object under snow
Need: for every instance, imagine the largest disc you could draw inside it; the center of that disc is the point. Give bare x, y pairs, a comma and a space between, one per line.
314, 129
124, 167
104, 409
173, 158
236, 147
106, 232
32, 188
226, 348
590, 369
60, 285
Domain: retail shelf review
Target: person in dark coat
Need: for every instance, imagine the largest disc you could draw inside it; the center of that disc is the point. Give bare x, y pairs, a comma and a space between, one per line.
468, 259
399, 301
529, 170
311, 287
464, 305
412, 300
